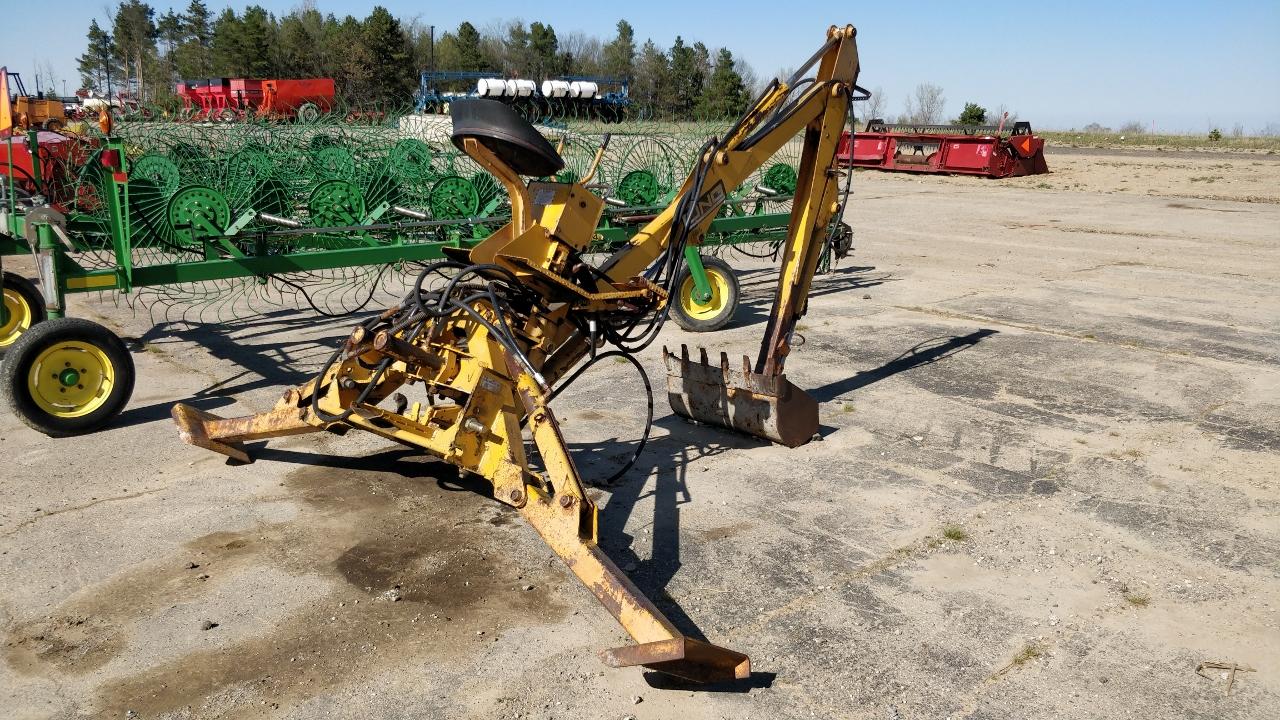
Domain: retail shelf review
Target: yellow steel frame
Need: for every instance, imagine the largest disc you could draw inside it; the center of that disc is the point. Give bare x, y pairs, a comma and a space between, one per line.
494, 395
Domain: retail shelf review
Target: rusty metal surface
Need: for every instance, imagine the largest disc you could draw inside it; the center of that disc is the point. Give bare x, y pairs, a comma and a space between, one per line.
473, 358
766, 406
562, 524
683, 657
227, 435
192, 428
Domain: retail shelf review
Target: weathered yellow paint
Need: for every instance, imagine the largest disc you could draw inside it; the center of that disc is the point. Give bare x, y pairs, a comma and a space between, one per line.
88, 282
487, 394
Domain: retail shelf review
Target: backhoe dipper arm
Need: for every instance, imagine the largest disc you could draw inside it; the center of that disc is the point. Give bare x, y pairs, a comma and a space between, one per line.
759, 400
508, 318
768, 126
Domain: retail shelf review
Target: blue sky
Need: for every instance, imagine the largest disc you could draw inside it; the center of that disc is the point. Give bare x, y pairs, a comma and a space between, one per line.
1184, 66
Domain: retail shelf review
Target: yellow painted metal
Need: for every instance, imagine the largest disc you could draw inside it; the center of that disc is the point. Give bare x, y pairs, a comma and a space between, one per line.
18, 315
71, 379
91, 281
720, 296
485, 394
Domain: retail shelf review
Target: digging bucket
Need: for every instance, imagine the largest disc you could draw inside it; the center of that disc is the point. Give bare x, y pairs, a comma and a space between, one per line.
766, 406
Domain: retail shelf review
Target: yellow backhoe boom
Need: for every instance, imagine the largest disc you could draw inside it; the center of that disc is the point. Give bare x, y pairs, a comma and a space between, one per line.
487, 337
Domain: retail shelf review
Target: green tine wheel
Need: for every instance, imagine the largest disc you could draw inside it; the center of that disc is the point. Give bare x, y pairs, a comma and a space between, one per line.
638, 188
158, 170
649, 170
333, 163
781, 178
454, 198
410, 160
245, 173
336, 203
198, 212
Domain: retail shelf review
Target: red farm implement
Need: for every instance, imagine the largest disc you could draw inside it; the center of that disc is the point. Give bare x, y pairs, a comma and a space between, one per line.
960, 149
230, 99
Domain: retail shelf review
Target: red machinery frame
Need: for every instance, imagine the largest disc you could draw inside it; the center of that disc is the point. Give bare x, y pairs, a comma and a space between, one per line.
230, 99
965, 150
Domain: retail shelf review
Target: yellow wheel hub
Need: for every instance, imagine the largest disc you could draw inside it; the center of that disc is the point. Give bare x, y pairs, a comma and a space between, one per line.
15, 318
712, 307
71, 379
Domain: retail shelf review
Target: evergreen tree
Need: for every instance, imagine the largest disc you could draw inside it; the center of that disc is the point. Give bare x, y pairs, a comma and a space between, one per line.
652, 73
448, 54
193, 58
299, 43
257, 42
97, 66
225, 51
702, 58
517, 61
349, 66
134, 33
544, 52
685, 86
470, 53
390, 72
726, 95
973, 114
620, 54
170, 32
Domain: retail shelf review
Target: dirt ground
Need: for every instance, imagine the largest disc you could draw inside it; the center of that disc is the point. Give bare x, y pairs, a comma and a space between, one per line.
1047, 487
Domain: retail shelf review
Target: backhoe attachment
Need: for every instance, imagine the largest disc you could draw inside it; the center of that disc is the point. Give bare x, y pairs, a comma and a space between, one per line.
464, 369
766, 406
759, 400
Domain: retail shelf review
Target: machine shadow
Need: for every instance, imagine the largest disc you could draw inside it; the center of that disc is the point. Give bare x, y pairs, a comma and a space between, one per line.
758, 286
667, 459
757, 681
925, 352
270, 350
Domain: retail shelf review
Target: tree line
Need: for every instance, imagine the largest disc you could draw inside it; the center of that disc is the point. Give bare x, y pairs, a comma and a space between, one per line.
375, 61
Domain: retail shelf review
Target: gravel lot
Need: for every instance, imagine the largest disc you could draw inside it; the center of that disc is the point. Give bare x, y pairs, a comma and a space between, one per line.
1047, 488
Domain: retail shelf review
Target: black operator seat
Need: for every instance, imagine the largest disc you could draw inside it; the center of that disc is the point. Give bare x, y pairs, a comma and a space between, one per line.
511, 138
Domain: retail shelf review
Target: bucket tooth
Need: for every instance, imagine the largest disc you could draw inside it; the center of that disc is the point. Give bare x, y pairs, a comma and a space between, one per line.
766, 406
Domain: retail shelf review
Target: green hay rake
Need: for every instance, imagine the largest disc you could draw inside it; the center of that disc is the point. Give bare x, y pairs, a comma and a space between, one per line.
212, 222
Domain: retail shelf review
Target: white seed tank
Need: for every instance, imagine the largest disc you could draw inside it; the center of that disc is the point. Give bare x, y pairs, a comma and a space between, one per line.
490, 87
583, 89
555, 88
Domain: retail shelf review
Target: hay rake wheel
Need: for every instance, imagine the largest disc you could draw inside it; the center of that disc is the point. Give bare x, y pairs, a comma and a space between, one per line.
159, 171
646, 172
333, 162
154, 179
336, 203
454, 198
197, 212
248, 182
410, 161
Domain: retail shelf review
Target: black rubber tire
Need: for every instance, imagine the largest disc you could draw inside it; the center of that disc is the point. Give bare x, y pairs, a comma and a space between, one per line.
728, 307
30, 295
22, 355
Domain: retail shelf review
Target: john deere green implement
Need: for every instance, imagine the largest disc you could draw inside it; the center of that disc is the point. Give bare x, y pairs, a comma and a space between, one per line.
184, 216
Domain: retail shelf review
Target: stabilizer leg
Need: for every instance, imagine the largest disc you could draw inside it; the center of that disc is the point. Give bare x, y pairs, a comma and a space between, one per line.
566, 520
228, 435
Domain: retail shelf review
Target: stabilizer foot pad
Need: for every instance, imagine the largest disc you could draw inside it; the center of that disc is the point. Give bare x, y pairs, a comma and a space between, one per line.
193, 430
683, 657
